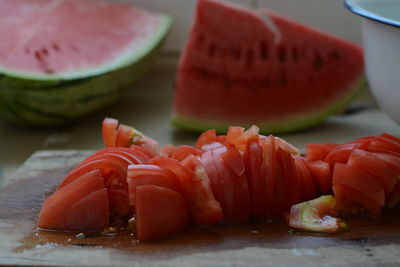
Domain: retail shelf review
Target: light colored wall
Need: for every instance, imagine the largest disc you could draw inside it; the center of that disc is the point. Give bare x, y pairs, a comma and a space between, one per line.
328, 15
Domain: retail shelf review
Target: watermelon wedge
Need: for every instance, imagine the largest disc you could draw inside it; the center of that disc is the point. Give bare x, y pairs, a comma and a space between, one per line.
62, 59
245, 67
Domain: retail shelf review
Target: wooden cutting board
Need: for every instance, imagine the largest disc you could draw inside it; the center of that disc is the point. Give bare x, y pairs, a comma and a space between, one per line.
370, 242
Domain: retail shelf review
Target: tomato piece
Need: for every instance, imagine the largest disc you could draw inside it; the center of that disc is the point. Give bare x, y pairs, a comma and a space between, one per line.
238, 137
149, 175
234, 160
206, 138
167, 150
394, 197
321, 175
341, 153
391, 137
181, 152
209, 140
195, 183
307, 187
159, 212
319, 151
227, 184
380, 169
286, 146
80, 205
145, 152
268, 169
125, 136
109, 129
81, 170
360, 181
316, 216
286, 188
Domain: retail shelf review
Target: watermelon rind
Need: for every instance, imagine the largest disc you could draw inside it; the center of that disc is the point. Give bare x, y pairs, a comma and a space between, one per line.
281, 126
30, 99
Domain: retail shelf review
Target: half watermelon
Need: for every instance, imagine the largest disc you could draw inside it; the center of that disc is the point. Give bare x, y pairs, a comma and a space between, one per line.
245, 67
63, 59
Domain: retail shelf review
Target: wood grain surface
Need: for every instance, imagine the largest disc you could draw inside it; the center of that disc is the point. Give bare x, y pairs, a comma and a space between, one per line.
369, 242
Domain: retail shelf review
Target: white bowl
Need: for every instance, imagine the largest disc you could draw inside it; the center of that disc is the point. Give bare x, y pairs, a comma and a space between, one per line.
381, 40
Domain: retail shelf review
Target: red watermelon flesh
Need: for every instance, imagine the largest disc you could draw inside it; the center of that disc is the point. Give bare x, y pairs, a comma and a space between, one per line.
239, 69
65, 36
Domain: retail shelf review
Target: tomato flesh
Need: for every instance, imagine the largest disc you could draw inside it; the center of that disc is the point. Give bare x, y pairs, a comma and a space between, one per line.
81, 205
159, 212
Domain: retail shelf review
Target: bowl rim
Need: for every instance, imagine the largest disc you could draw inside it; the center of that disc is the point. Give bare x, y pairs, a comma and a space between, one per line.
355, 7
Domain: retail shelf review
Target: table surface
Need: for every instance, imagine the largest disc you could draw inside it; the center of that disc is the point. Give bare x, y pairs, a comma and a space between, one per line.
147, 106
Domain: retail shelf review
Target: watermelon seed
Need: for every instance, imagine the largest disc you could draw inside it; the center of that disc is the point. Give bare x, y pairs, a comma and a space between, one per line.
211, 50
38, 56
249, 57
318, 61
200, 39
283, 78
55, 47
335, 55
281, 53
236, 52
295, 53
73, 47
264, 50
45, 52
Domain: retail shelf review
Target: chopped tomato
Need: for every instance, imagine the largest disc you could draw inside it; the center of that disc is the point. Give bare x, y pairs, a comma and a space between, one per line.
204, 209
255, 178
125, 136
150, 175
234, 160
181, 152
321, 175
341, 153
370, 194
308, 190
383, 171
80, 205
286, 146
394, 197
159, 212
319, 151
268, 169
238, 137
109, 130
81, 170
316, 216
209, 140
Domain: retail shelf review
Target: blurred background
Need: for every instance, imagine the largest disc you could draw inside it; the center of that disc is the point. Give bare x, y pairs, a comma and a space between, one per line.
147, 104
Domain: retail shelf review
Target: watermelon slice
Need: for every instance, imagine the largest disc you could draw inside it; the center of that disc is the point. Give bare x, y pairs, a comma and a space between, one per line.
245, 67
61, 59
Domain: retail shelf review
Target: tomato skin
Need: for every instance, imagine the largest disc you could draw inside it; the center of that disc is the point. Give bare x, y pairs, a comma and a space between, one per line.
80, 205
370, 194
181, 152
255, 178
159, 212
321, 175
204, 208
379, 168
307, 187
109, 130
341, 153
268, 169
319, 151
149, 175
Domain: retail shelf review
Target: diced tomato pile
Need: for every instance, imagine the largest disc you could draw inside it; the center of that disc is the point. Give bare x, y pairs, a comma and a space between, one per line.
226, 179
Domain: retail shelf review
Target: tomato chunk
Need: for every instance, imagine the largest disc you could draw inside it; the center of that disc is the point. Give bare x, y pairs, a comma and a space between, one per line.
80, 205
322, 177
319, 151
159, 212
204, 208
109, 130
348, 180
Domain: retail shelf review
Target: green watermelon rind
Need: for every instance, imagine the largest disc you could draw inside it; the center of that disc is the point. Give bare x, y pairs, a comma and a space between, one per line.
296, 123
30, 101
124, 60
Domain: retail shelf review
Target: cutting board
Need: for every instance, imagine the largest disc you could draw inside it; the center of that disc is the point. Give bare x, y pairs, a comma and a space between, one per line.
369, 242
